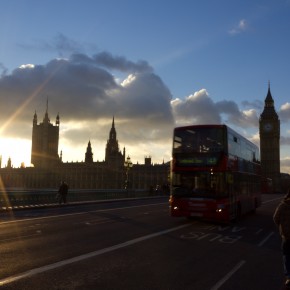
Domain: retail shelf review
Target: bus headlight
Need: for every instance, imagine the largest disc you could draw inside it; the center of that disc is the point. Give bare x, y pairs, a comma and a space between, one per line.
220, 207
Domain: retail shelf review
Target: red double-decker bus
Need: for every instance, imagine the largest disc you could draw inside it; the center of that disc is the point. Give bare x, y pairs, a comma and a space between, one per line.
215, 173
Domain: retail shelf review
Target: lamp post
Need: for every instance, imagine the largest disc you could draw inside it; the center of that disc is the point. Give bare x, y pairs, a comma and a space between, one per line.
127, 164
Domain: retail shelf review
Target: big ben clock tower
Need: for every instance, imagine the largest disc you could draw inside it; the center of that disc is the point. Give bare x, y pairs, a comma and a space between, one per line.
269, 128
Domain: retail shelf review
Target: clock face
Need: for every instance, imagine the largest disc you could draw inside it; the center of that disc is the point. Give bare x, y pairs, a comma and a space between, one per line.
268, 127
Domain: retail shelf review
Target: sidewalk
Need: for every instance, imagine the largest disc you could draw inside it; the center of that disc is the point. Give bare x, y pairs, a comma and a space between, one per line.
72, 203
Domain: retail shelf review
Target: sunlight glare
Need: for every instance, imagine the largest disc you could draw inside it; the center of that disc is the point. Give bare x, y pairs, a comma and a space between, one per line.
18, 150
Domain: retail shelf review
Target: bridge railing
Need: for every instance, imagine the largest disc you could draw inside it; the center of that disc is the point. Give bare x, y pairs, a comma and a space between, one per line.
16, 197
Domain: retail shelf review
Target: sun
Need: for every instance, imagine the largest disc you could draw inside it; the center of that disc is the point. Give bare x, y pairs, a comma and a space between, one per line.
18, 150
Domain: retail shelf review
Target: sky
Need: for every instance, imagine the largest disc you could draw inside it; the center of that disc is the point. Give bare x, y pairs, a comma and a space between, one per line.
152, 65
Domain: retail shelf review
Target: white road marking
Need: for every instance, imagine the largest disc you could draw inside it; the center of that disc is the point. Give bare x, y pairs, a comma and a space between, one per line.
265, 240
53, 266
279, 198
92, 221
227, 276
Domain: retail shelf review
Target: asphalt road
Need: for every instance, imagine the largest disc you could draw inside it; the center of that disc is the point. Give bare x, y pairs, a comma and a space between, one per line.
137, 245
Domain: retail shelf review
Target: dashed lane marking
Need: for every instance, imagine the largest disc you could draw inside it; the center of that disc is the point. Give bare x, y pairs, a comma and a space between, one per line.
265, 239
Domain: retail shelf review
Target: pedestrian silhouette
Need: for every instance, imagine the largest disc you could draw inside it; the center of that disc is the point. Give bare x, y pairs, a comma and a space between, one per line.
282, 220
63, 191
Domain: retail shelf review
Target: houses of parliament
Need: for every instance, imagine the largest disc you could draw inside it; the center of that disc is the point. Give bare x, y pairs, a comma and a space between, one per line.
112, 173
49, 169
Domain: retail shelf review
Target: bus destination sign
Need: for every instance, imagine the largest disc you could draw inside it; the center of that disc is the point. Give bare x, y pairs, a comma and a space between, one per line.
197, 161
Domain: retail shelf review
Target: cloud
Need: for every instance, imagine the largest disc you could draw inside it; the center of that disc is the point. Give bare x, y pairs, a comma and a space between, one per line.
199, 108
3, 69
284, 140
121, 63
255, 139
233, 115
241, 27
196, 108
285, 164
87, 95
256, 104
284, 112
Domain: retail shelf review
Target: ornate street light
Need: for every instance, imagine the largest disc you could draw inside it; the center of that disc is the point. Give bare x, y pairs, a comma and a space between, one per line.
127, 164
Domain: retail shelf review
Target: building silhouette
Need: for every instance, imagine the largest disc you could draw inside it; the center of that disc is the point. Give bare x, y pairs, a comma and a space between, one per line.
45, 138
113, 156
49, 169
89, 154
269, 129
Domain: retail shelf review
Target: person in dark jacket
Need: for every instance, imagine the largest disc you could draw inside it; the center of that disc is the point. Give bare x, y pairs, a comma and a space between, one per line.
63, 190
282, 220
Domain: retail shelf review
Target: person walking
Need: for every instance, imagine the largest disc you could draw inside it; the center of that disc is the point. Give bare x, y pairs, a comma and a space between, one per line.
282, 220
63, 191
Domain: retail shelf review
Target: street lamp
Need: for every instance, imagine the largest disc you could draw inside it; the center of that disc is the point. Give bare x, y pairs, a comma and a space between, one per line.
127, 164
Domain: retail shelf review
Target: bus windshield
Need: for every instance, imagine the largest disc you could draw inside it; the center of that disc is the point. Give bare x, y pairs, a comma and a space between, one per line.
199, 184
201, 140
